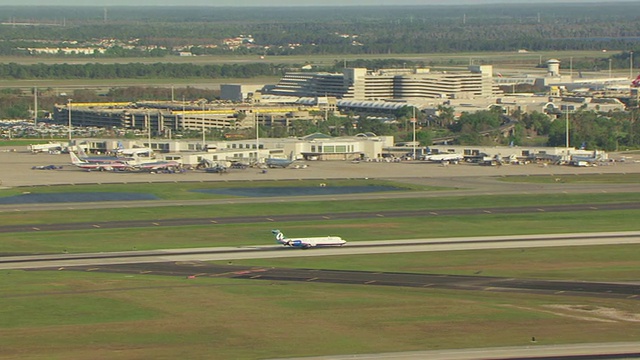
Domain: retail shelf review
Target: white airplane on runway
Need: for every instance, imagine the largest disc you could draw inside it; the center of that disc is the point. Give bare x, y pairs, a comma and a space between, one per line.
306, 243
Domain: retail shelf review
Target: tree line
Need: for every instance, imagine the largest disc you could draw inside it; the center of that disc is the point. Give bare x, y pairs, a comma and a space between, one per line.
17, 71
326, 30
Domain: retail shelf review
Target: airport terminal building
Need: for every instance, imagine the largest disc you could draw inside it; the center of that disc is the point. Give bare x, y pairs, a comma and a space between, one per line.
389, 84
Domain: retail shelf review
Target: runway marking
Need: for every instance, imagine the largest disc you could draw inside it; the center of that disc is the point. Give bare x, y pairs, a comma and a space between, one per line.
486, 211
270, 219
312, 279
542, 210
256, 277
559, 292
156, 224
433, 213
145, 272
379, 215
214, 222
36, 229
593, 208
326, 217
93, 269
95, 226
370, 282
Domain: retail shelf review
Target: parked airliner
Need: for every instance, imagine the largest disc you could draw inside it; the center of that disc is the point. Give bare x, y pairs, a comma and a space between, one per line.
446, 157
82, 155
306, 243
110, 166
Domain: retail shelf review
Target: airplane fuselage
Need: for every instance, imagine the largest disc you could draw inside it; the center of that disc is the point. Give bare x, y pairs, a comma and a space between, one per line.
310, 242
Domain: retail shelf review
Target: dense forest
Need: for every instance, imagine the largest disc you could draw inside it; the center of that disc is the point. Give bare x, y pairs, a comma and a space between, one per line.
328, 30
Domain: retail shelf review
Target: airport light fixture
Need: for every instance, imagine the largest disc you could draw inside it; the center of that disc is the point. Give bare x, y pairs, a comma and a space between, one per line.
69, 112
35, 106
148, 124
567, 129
413, 121
630, 65
203, 133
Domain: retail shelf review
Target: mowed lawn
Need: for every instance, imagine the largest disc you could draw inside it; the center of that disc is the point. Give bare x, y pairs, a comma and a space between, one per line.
70, 315
379, 228
62, 314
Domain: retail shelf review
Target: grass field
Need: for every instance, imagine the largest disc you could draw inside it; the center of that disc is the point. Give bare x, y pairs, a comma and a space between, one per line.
320, 59
185, 191
71, 315
526, 62
96, 240
573, 179
68, 315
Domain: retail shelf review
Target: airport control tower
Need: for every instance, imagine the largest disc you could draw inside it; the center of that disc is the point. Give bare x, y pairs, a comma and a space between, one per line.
553, 67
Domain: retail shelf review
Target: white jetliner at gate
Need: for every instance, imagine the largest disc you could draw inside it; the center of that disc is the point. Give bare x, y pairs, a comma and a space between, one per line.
306, 243
122, 165
450, 157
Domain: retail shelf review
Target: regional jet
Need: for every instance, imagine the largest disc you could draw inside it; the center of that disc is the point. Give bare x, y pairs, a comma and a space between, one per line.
447, 157
157, 165
306, 243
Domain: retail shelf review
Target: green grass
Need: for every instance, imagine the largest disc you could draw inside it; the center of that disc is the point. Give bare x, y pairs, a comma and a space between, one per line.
145, 316
609, 179
96, 240
64, 314
585, 263
185, 190
229, 209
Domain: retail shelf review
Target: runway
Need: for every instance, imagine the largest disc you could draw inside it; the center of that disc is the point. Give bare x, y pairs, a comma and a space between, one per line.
352, 248
604, 351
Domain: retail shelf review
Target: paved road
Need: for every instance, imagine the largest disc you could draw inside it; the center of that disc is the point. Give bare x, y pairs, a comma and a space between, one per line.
622, 350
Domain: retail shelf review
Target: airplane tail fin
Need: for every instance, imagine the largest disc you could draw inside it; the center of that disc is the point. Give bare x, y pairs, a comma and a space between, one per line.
74, 158
81, 153
280, 237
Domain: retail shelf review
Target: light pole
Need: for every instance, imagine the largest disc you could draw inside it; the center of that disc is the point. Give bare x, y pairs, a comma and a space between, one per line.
69, 112
148, 124
567, 129
630, 65
203, 133
413, 120
35, 106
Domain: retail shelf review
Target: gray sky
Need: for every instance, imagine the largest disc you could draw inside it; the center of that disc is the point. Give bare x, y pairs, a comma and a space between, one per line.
277, 2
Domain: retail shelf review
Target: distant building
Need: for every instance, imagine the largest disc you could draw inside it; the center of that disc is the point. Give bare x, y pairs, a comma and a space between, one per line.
389, 84
238, 92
